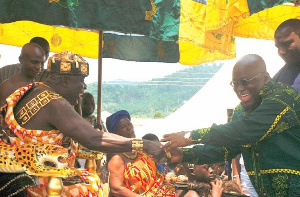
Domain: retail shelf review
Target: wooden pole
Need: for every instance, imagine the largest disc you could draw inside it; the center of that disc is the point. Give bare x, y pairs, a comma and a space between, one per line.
100, 56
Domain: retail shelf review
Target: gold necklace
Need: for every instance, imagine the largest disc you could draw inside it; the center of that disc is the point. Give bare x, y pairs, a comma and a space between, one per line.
130, 156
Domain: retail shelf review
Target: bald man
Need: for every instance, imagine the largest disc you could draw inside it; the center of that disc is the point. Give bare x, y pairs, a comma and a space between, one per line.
12, 69
32, 60
265, 128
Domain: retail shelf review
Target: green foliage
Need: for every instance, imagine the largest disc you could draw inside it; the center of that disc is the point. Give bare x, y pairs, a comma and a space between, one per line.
158, 115
156, 98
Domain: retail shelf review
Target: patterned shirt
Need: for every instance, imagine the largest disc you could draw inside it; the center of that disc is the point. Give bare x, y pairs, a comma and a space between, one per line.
8, 71
287, 74
268, 137
296, 84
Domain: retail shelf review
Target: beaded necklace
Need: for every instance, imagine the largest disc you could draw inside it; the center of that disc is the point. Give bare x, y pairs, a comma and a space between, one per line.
10, 183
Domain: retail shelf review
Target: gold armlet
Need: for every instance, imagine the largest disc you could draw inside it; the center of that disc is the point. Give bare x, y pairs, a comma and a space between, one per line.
137, 145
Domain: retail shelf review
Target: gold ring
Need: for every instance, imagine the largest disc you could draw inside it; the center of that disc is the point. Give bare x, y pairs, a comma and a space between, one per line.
168, 154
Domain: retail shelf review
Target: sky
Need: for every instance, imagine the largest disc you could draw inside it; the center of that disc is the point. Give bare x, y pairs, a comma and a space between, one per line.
114, 69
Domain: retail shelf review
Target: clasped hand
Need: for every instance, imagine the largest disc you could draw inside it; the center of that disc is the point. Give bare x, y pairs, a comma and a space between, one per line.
155, 149
174, 140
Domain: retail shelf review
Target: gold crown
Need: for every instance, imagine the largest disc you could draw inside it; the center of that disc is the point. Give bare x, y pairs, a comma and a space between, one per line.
68, 63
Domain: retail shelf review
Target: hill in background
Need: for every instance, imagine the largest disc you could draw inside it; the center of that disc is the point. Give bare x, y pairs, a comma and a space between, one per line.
156, 98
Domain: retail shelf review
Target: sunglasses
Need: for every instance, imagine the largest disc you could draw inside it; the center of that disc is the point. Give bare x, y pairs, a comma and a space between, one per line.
244, 82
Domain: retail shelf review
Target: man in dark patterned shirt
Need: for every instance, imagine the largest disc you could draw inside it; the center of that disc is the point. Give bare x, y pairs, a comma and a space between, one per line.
265, 128
287, 40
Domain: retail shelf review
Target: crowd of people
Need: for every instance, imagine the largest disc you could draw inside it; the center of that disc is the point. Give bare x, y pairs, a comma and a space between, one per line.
40, 107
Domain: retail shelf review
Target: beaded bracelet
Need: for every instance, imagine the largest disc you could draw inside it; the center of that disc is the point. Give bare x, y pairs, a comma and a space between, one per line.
137, 145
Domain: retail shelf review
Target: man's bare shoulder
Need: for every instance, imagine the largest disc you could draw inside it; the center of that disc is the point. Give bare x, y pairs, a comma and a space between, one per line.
13, 83
10, 67
60, 108
50, 109
6, 83
7, 88
8, 71
62, 115
60, 103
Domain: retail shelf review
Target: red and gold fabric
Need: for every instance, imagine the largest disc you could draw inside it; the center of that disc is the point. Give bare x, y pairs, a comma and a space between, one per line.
87, 183
143, 177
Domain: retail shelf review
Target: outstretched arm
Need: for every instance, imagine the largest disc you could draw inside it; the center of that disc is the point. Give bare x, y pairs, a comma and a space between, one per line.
61, 115
256, 126
178, 139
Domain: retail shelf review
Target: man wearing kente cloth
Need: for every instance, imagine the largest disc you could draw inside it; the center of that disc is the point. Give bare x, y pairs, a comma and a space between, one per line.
265, 128
42, 114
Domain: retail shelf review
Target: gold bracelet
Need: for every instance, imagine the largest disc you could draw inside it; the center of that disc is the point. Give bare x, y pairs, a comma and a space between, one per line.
137, 145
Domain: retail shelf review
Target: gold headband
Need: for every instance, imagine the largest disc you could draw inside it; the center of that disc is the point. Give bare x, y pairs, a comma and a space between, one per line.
68, 63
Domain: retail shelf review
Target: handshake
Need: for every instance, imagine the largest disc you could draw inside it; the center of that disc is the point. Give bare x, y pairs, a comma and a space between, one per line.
170, 151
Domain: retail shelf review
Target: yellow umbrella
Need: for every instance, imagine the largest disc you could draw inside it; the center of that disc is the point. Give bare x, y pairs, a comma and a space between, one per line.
206, 31
80, 41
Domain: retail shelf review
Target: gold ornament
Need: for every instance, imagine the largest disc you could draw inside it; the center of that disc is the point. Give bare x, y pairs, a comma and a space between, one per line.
137, 145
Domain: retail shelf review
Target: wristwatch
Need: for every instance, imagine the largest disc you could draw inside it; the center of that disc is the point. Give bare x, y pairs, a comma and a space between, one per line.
188, 137
187, 134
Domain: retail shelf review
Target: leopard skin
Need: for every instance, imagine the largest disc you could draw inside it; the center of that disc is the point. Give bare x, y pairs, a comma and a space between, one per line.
35, 160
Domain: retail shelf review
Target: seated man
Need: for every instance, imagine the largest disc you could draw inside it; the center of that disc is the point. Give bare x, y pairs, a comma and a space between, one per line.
32, 60
265, 128
41, 114
88, 107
